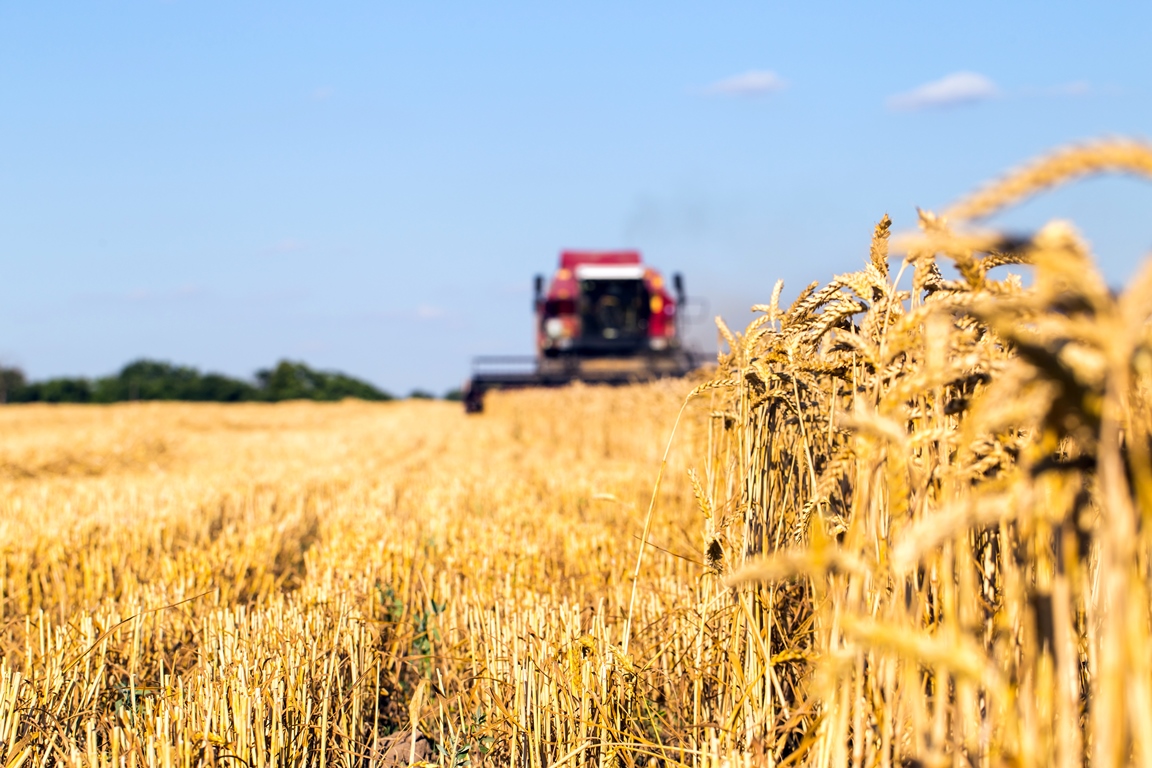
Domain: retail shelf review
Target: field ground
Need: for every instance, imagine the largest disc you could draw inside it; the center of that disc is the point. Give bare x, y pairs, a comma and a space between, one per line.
344, 568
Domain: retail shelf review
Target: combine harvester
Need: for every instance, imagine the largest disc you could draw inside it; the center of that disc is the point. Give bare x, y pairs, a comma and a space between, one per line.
606, 318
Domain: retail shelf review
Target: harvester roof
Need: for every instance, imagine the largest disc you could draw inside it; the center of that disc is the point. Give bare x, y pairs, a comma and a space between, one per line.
573, 259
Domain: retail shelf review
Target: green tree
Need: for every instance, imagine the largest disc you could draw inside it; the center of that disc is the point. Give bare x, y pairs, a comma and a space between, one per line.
12, 385
156, 380
296, 381
61, 390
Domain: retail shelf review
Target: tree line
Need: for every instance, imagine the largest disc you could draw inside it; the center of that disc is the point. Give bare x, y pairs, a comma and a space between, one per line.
157, 380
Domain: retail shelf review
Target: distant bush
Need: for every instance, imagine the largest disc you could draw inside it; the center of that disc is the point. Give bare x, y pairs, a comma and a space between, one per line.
152, 380
296, 381
63, 390
156, 380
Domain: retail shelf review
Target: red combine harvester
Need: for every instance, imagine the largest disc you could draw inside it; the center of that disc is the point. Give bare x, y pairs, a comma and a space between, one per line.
606, 318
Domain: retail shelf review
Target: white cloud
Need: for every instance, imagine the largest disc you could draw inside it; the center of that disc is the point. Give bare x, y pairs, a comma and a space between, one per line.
950, 90
428, 312
323, 93
755, 82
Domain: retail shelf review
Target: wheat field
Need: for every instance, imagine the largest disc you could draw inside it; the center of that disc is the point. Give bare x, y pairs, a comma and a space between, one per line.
328, 573
903, 522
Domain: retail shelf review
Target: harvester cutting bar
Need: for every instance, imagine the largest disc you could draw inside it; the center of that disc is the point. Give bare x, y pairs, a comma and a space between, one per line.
519, 372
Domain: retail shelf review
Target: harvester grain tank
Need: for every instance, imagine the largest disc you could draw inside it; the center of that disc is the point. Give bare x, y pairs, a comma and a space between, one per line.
604, 318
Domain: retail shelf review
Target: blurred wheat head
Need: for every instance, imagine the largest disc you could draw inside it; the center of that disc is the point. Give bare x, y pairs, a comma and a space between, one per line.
934, 493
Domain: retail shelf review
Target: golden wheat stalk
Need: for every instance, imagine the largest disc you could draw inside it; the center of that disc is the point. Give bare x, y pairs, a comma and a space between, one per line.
1107, 156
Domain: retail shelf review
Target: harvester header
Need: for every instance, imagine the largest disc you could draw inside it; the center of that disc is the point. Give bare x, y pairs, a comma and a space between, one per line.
605, 317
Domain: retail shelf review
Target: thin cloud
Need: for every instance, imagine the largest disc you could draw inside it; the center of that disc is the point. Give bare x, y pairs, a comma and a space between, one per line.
163, 296
428, 312
422, 312
186, 292
323, 93
949, 91
286, 245
1071, 89
755, 82
1074, 88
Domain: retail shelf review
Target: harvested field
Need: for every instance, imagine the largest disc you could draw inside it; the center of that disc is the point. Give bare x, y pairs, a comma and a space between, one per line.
325, 566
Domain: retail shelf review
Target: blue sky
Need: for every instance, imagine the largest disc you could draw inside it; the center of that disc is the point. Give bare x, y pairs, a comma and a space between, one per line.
370, 186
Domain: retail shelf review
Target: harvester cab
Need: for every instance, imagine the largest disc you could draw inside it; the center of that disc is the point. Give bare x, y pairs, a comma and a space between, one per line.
605, 304
605, 317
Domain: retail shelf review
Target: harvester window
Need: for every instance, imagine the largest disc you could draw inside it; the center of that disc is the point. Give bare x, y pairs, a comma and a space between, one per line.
614, 309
